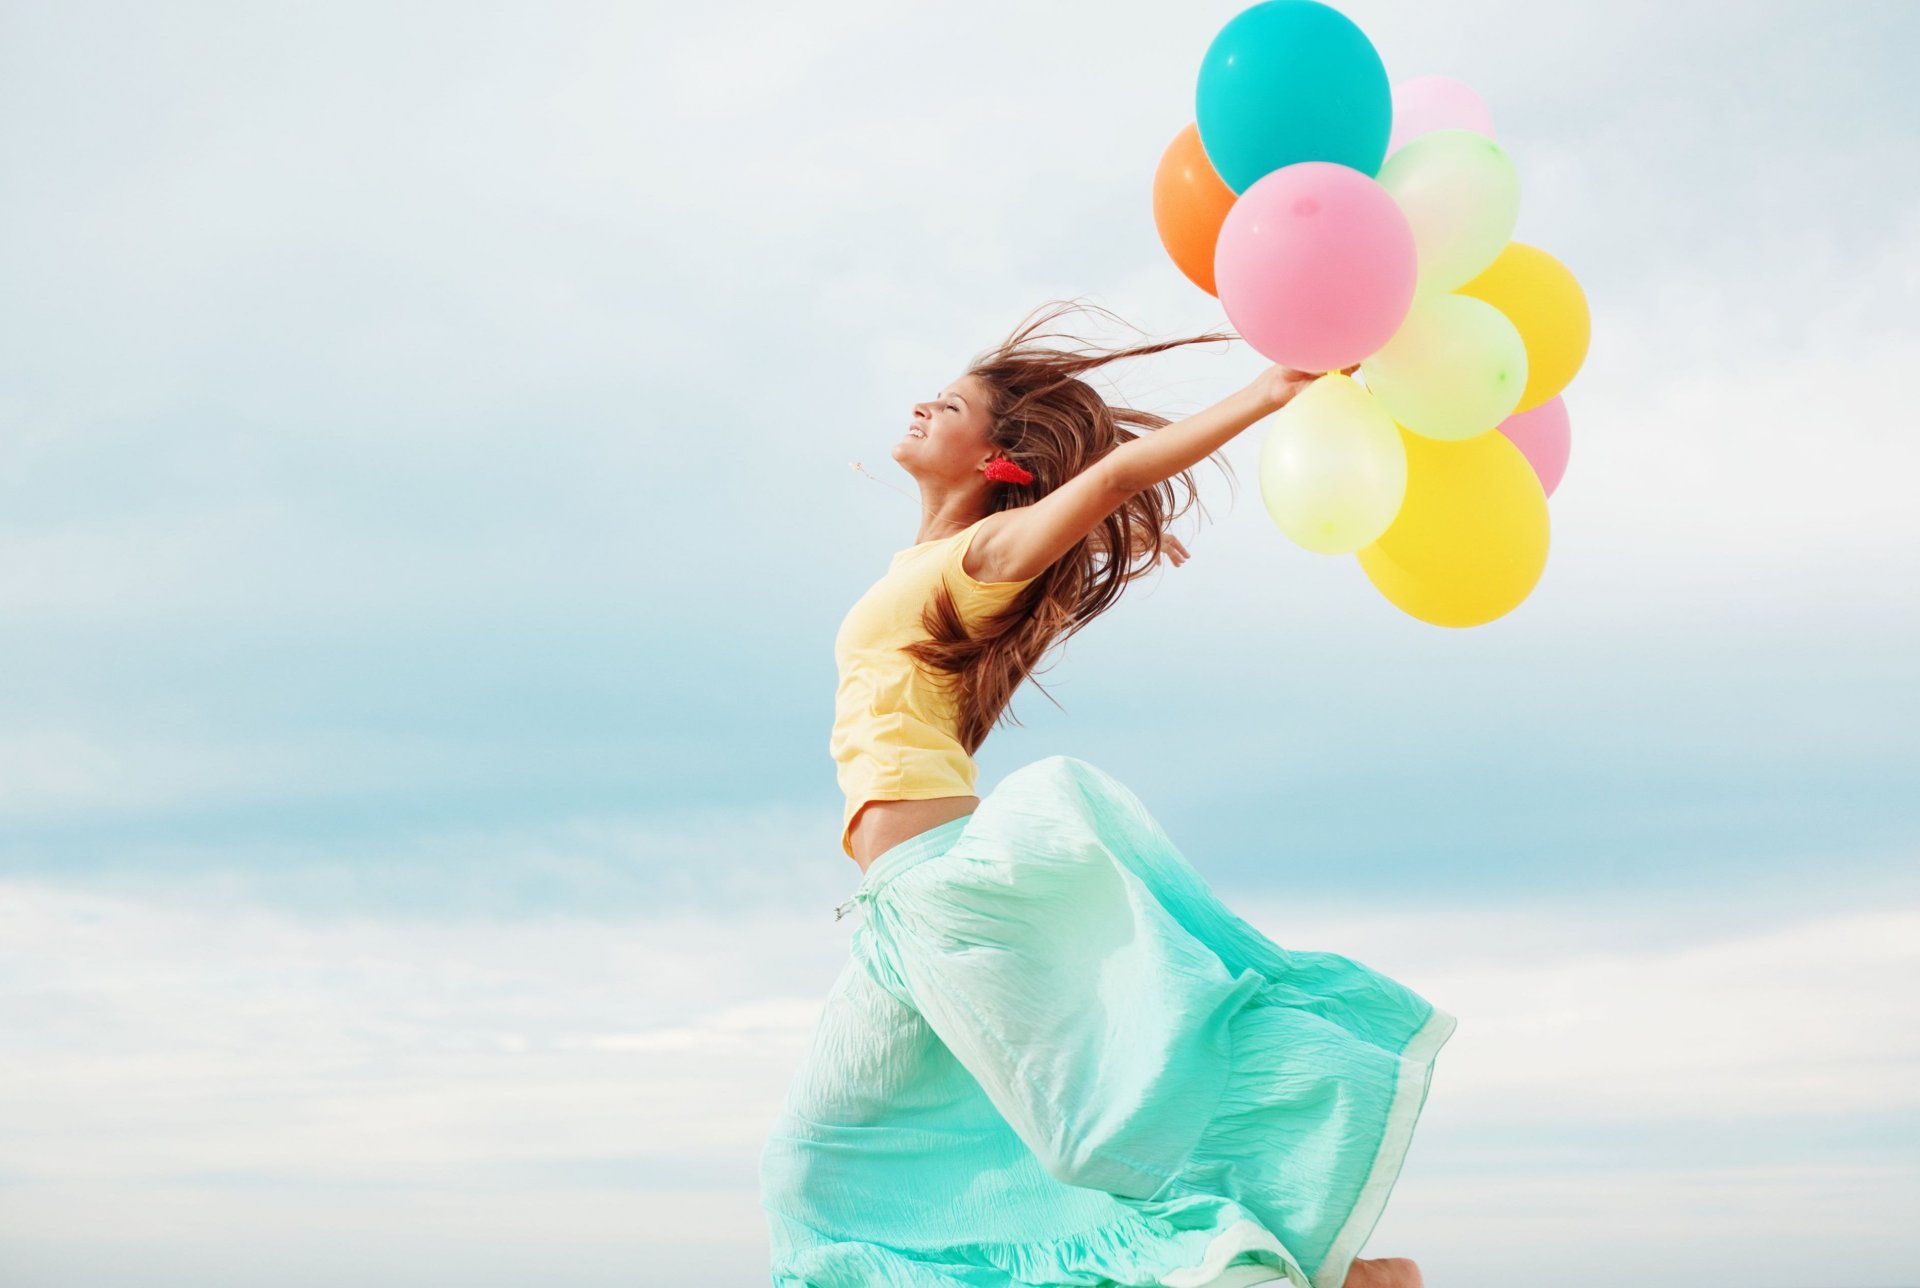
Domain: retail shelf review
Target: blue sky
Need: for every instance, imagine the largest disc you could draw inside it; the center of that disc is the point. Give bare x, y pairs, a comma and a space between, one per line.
425, 510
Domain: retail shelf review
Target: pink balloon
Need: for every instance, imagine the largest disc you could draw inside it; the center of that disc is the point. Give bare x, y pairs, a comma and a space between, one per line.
1428, 103
1543, 436
1315, 265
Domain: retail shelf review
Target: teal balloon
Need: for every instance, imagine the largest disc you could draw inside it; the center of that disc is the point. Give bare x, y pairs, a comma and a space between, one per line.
1287, 81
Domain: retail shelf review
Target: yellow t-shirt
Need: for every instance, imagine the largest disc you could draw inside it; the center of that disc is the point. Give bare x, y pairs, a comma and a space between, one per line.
894, 730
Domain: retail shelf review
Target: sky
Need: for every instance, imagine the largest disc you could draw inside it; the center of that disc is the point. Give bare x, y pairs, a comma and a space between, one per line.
426, 506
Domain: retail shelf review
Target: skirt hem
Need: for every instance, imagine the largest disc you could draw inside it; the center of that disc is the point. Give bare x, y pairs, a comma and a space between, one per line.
1241, 1252
1409, 1098
1217, 1271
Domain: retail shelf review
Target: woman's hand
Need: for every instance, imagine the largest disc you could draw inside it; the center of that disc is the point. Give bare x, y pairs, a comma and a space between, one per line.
1278, 384
1170, 548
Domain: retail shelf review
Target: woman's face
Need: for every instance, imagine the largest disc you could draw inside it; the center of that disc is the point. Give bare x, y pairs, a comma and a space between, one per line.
947, 436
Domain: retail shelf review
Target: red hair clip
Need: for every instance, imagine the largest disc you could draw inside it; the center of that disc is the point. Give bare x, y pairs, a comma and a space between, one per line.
1002, 470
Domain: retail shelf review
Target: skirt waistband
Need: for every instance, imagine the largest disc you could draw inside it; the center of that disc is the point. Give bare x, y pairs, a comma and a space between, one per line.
891, 862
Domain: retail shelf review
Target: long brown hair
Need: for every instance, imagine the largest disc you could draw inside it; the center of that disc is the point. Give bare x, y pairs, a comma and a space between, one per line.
1051, 422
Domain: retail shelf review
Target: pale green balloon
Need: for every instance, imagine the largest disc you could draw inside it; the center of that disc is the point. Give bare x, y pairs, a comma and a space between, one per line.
1455, 368
1333, 470
1461, 195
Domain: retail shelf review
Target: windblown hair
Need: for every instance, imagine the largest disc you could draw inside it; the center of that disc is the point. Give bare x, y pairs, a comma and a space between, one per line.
1054, 424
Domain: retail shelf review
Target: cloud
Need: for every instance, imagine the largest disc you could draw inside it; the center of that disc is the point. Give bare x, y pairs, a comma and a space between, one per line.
193, 1061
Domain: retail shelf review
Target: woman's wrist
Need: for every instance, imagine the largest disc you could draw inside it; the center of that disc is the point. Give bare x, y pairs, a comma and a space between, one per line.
1278, 385
1269, 395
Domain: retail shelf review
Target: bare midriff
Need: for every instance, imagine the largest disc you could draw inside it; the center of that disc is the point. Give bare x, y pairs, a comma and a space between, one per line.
882, 824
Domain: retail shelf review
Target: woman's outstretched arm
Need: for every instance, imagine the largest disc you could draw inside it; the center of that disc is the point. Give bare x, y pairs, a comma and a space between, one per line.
1153, 458
1025, 540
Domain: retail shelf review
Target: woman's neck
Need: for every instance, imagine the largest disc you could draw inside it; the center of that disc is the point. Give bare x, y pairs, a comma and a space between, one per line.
934, 527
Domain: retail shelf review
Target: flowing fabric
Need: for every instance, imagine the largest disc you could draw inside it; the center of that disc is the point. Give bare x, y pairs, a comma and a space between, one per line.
1054, 1057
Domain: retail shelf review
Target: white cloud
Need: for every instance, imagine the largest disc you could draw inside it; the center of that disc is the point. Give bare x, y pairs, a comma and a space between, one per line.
193, 1061
468, 358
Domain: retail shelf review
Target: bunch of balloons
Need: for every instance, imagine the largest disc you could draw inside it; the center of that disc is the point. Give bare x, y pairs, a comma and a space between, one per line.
1341, 220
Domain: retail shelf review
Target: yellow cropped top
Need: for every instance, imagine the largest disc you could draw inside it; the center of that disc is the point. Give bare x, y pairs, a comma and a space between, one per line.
894, 728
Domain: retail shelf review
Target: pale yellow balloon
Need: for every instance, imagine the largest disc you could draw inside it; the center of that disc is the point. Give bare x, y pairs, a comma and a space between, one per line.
1455, 368
1544, 302
1470, 541
1332, 470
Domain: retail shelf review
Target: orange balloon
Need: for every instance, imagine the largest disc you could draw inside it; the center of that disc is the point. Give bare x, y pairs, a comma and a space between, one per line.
1190, 202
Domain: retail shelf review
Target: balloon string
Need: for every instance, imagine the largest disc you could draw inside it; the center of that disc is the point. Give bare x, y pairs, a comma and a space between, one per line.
882, 482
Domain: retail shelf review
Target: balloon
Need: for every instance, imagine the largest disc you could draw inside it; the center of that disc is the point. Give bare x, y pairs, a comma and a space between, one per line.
1461, 198
1454, 369
1428, 103
1470, 540
1332, 470
1544, 438
1189, 201
1288, 81
1316, 266
1545, 302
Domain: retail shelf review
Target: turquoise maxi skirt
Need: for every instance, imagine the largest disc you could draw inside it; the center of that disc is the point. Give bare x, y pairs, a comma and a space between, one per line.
1055, 1057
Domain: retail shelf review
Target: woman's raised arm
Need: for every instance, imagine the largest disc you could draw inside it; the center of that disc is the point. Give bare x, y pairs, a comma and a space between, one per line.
1024, 541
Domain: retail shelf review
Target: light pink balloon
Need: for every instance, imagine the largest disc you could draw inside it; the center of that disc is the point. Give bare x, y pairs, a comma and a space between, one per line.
1315, 265
1544, 437
1428, 103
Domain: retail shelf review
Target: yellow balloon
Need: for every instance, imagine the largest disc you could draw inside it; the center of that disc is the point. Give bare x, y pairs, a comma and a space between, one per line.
1470, 540
1544, 301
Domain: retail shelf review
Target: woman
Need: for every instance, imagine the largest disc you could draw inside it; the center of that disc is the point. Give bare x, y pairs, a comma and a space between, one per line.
1053, 1056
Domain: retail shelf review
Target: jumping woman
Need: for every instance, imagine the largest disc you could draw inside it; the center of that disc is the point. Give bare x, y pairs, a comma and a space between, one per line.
1054, 1057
